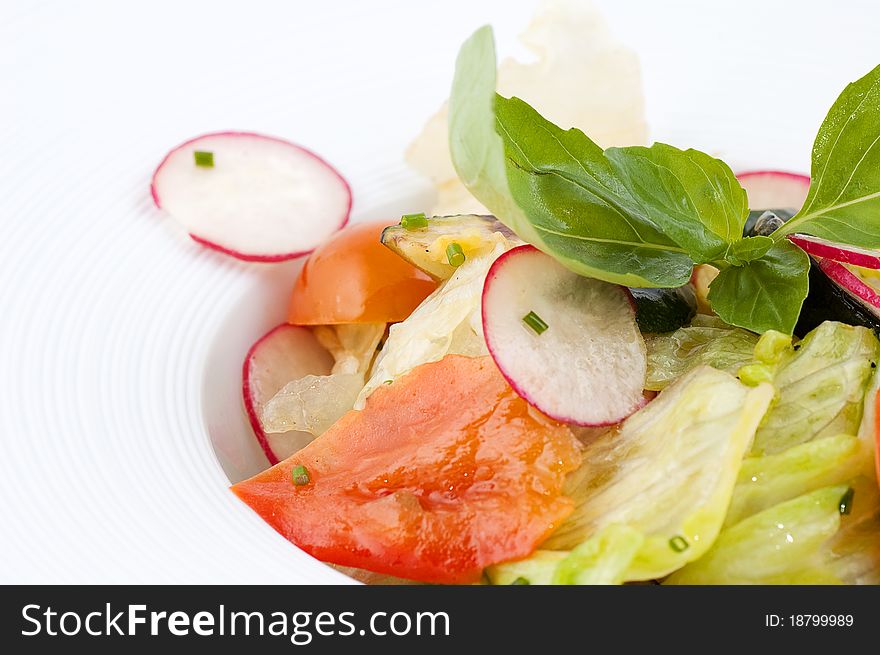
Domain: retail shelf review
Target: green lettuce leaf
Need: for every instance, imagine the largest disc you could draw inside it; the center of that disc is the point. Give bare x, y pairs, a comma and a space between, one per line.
772, 479
843, 203
668, 474
539, 568
821, 384
764, 294
780, 545
714, 344
853, 554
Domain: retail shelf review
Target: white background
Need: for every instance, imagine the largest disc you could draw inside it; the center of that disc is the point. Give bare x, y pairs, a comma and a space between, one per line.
107, 310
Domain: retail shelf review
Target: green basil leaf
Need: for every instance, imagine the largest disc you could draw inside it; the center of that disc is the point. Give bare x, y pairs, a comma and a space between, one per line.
764, 294
578, 204
843, 203
749, 249
623, 257
477, 151
691, 197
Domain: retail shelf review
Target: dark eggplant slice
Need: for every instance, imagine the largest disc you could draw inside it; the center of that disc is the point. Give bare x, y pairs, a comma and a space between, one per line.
828, 301
664, 310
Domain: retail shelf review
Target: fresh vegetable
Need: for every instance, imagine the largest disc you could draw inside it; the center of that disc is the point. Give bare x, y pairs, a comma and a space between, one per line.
769, 189
825, 249
203, 158
260, 198
644, 216
844, 198
588, 367
664, 310
444, 472
668, 472
820, 387
876, 405
771, 479
780, 545
354, 279
447, 322
283, 354
312, 403
413, 222
353, 345
852, 283
538, 569
425, 248
602, 559
706, 341
853, 554
829, 300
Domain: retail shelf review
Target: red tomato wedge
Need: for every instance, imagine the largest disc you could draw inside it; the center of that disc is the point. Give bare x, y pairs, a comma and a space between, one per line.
444, 472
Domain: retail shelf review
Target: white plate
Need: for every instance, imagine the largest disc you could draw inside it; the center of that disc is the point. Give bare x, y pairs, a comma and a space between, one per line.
121, 340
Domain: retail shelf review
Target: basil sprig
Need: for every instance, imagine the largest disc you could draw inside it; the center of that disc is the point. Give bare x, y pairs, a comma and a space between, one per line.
643, 217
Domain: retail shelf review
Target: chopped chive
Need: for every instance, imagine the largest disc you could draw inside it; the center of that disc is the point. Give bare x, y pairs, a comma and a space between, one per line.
846, 501
454, 254
520, 581
300, 475
535, 322
204, 158
679, 544
414, 221
388, 382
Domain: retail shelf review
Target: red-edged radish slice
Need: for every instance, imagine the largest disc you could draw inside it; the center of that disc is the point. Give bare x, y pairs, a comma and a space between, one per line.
264, 199
774, 189
588, 366
837, 252
285, 353
855, 285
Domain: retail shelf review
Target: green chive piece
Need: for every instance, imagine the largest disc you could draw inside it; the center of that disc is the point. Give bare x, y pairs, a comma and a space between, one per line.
679, 544
846, 501
300, 475
535, 322
414, 221
520, 581
454, 254
204, 158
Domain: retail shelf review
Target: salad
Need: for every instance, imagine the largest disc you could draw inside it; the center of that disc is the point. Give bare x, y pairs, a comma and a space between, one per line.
626, 365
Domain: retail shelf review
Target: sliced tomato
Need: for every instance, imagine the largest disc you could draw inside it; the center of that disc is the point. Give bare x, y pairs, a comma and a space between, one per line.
353, 278
443, 473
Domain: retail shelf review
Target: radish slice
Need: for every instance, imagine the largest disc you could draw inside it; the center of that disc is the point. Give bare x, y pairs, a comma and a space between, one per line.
837, 252
855, 285
775, 189
588, 366
264, 199
285, 353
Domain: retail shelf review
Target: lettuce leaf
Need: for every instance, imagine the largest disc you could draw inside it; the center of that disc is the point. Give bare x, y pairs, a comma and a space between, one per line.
539, 568
780, 545
707, 343
821, 384
771, 479
668, 474
853, 554
449, 321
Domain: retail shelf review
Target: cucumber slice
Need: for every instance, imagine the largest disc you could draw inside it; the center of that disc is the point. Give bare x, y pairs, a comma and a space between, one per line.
664, 310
